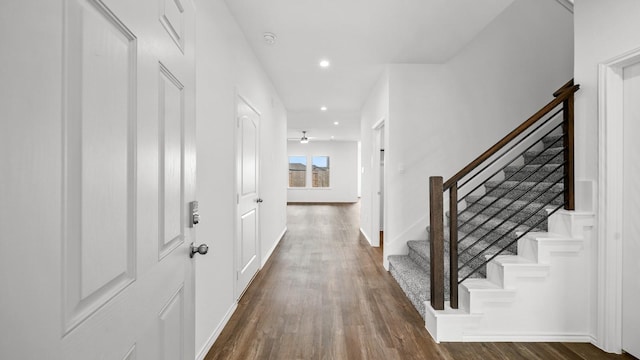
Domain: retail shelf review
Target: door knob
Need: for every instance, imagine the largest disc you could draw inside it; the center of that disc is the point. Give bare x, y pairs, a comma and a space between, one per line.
202, 249
259, 200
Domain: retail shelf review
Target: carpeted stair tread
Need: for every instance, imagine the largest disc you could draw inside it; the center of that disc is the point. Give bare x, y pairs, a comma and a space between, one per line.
419, 252
517, 211
552, 155
526, 191
481, 224
535, 173
419, 246
553, 140
502, 203
464, 242
469, 246
413, 279
531, 186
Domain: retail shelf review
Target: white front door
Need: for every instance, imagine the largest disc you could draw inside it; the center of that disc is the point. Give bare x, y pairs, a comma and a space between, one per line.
98, 168
631, 203
248, 221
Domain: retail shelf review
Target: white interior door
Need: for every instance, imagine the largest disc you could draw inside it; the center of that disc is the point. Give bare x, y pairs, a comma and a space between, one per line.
98, 128
631, 203
248, 221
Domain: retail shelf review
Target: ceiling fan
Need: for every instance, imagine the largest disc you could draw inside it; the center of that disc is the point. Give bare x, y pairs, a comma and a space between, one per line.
304, 139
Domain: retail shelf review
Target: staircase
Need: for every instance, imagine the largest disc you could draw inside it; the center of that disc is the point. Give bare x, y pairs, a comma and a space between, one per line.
511, 206
518, 259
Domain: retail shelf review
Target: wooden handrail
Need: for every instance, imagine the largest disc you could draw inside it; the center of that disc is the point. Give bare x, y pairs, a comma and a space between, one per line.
563, 94
564, 88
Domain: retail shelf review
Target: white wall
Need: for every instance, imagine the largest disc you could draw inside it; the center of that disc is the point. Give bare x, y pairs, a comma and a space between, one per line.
603, 30
226, 66
343, 162
511, 69
423, 121
375, 109
442, 116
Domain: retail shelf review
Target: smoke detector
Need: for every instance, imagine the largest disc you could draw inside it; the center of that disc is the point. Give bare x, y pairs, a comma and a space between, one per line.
269, 38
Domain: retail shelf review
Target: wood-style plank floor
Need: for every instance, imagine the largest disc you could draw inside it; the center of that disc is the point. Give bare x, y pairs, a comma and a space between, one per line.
325, 295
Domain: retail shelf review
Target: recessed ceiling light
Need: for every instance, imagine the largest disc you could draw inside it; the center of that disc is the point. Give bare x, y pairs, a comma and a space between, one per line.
324, 63
332, 137
324, 108
336, 123
269, 38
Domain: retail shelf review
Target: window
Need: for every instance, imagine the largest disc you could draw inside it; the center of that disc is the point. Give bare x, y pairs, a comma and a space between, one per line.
297, 171
320, 173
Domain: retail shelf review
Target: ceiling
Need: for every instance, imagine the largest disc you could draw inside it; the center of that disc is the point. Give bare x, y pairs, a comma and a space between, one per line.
358, 37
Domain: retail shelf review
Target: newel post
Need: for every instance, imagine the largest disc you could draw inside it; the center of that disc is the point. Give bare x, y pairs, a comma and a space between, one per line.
436, 241
567, 129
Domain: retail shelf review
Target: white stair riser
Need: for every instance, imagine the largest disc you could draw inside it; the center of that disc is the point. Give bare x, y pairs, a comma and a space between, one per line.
507, 275
477, 300
539, 247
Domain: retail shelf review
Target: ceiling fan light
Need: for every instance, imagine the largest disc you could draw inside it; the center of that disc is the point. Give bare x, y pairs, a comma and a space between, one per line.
304, 138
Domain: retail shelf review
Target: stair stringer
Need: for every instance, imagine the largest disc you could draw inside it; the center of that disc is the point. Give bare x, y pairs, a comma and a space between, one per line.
541, 294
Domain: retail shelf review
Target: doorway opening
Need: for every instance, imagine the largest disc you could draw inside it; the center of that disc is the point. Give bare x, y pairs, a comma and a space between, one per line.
619, 200
381, 192
378, 203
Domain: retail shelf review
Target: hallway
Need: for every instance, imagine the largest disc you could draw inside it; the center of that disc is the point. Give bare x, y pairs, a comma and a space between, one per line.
325, 295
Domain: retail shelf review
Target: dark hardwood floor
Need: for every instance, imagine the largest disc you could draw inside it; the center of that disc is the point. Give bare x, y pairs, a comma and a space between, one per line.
325, 295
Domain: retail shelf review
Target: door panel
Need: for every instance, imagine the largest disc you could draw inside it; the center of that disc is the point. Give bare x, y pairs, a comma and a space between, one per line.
99, 216
104, 162
131, 355
170, 149
172, 327
631, 203
247, 244
172, 18
249, 153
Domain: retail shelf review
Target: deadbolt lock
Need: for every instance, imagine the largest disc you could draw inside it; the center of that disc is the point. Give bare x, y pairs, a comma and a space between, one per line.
195, 215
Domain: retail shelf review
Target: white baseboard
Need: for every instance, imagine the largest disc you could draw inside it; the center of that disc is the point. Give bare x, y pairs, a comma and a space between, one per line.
594, 341
212, 339
569, 338
365, 236
273, 248
397, 245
